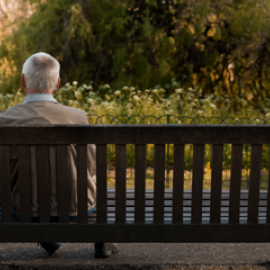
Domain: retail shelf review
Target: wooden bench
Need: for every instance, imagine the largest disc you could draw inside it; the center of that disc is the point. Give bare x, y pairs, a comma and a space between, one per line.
139, 215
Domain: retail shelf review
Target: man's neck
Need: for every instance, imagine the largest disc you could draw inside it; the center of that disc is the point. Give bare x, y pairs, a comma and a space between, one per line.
29, 92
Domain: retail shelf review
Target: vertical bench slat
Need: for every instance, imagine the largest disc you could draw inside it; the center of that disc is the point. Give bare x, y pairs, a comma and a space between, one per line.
43, 173
140, 173
268, 193
235, 183
216, 183
5, 184
81, 150
197, 183
120, 185
63, 182
159, 183
254, 183
101, 164
24, 169
178, 182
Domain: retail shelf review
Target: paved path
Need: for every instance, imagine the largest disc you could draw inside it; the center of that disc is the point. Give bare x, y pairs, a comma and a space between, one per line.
139, 256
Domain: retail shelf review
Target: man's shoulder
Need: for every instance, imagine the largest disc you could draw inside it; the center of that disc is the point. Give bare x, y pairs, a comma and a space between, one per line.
43, 105
43, 112
66, 108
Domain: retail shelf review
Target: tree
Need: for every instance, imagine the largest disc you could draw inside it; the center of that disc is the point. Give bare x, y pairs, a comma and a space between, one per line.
221, 46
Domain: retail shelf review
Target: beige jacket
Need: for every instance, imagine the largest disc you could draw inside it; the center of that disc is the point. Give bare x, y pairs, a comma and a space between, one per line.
50, 113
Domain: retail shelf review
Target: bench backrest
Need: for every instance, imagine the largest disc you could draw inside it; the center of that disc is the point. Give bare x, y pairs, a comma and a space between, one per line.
140, 135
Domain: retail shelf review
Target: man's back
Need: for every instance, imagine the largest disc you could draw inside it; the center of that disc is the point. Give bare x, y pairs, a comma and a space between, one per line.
42, 113
49, 113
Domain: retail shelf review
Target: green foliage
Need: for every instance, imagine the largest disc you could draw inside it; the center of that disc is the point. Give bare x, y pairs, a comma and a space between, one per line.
220, 45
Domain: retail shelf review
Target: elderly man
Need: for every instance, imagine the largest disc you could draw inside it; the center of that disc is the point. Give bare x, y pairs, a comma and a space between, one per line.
40, 78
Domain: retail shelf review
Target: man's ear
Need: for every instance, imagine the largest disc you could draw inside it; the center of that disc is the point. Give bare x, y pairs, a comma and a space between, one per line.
23, 81
58, 84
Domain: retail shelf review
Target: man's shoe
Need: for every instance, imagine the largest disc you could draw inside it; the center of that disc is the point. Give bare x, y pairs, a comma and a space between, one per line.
50, 247
105, 250
115, 248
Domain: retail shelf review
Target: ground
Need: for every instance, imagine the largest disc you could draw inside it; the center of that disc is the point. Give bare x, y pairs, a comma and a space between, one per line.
139, 256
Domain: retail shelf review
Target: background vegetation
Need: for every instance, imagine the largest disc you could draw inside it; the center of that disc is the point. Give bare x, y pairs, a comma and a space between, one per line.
215, 47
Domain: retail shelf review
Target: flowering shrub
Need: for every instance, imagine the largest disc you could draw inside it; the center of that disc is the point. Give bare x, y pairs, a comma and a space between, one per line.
129, 101
146, 106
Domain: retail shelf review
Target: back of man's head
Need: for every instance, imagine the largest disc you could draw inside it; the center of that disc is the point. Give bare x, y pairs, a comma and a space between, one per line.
41, 72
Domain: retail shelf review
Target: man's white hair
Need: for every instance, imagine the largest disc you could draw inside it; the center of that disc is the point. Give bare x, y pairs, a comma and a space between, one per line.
41, 72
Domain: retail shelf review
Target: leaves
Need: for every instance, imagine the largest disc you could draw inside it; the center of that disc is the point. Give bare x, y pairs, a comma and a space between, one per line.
149, 42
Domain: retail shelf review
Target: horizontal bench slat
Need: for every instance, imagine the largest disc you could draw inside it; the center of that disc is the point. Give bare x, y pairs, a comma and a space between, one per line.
136, 134
132, 233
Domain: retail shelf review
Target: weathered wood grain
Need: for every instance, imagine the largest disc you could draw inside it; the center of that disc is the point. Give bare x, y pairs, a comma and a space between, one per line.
24, 182
63, 183
216, 182
254, 183
178, 182
5, 184
159, 183
120, 183
81, 150
136, 134
197, 182
235, 183
101, 164
43, 174
134, 233
140, 174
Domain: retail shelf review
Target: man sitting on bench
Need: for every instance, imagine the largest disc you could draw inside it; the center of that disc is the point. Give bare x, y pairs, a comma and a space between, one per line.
40, 78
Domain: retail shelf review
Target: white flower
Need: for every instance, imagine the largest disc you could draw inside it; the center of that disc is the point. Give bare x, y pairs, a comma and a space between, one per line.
117, 93
146, 90
75, 83
132, 88
257, 120
85, 86
90, 101
179, 90
268, 114
136, 98
155, 91
213, 105
199, 112
67, 84
106, 86
161, 90
237, 119
125, 88
190, 89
